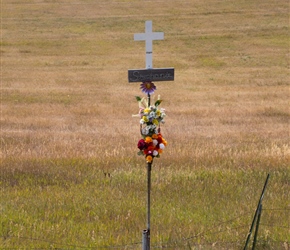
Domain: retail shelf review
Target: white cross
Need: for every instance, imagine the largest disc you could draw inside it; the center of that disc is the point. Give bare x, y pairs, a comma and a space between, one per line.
149, 37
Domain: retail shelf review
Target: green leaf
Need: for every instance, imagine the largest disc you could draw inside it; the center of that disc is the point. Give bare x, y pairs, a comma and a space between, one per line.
138, 98
140, 153
157, 103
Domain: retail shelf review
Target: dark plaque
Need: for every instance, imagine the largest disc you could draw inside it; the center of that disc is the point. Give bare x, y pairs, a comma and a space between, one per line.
157, 75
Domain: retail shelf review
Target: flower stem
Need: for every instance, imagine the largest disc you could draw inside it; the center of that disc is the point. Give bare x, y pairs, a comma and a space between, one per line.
148, 100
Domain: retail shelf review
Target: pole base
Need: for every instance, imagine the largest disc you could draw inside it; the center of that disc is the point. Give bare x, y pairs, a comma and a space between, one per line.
146, 240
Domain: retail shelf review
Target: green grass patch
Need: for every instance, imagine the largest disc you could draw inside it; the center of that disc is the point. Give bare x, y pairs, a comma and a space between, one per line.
80, 204
19, 97
211, 62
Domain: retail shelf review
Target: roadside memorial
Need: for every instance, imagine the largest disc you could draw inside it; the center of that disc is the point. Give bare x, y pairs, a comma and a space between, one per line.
152, 143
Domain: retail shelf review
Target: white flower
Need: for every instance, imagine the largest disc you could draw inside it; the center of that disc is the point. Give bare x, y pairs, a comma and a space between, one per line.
155, 153
151, 127
151, 115
155, 142
161, 146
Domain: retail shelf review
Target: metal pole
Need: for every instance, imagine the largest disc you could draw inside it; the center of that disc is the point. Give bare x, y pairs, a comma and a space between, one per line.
256, 213
257, 226
148, 194
144, 240
146, 233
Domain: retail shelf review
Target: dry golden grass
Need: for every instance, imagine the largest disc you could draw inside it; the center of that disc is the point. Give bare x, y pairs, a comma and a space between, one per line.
65, 101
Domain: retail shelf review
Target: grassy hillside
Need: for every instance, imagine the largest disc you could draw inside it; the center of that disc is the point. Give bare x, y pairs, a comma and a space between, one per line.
70, 174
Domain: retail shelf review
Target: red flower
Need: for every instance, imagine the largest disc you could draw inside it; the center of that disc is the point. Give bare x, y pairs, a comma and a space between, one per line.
159, 139
141, 144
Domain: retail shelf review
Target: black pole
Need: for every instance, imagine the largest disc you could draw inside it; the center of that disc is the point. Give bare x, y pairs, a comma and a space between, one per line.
148, 203
256, 213
146, 233
149, 164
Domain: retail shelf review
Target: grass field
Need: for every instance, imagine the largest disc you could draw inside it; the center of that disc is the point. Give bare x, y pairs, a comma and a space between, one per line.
70, 174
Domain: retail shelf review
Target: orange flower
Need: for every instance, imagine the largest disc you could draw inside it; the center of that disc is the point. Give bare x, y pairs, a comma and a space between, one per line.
148, 139
154, 136
164, 141
149, 158
160, 150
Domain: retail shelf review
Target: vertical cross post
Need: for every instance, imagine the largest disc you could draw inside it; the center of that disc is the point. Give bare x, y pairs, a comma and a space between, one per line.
149, 37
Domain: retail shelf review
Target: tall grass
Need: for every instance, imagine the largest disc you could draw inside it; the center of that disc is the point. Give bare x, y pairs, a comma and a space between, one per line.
70, 174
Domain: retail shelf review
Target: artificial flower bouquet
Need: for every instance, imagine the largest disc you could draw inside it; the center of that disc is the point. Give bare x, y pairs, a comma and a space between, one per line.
151, 117
151, 146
